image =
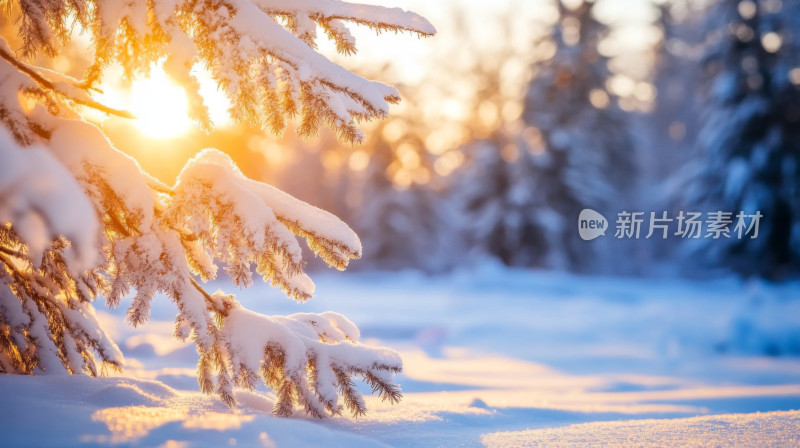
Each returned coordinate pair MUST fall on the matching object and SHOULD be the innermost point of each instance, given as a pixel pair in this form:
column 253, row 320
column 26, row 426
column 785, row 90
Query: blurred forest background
column 521, row 113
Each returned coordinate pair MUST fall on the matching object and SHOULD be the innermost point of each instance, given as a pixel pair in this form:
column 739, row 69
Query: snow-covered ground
column 491, row 357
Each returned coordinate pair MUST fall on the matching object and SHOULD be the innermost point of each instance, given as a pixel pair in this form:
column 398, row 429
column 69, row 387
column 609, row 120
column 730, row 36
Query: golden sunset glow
column 160, row 106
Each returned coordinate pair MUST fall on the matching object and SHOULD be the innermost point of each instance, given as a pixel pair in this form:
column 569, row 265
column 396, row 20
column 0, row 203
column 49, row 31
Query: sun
column 160, row 106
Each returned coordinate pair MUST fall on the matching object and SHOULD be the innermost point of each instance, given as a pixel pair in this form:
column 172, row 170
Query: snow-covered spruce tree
column 749, row 143
column 588, row 155
column 495, row 193
column 574, row 152
column 402, row 228
column 79, row 219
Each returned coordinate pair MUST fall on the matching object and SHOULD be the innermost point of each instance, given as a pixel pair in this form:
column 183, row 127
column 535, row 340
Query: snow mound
column 771, row 429
column 71, row 411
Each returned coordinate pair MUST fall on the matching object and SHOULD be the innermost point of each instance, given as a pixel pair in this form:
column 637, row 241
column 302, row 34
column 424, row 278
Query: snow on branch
column 240, row 221
column 308, row 360
column 45, row 202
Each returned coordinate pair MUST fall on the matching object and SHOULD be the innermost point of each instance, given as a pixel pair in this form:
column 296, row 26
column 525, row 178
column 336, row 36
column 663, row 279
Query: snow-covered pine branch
column 262, row 52
column 80, row 219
